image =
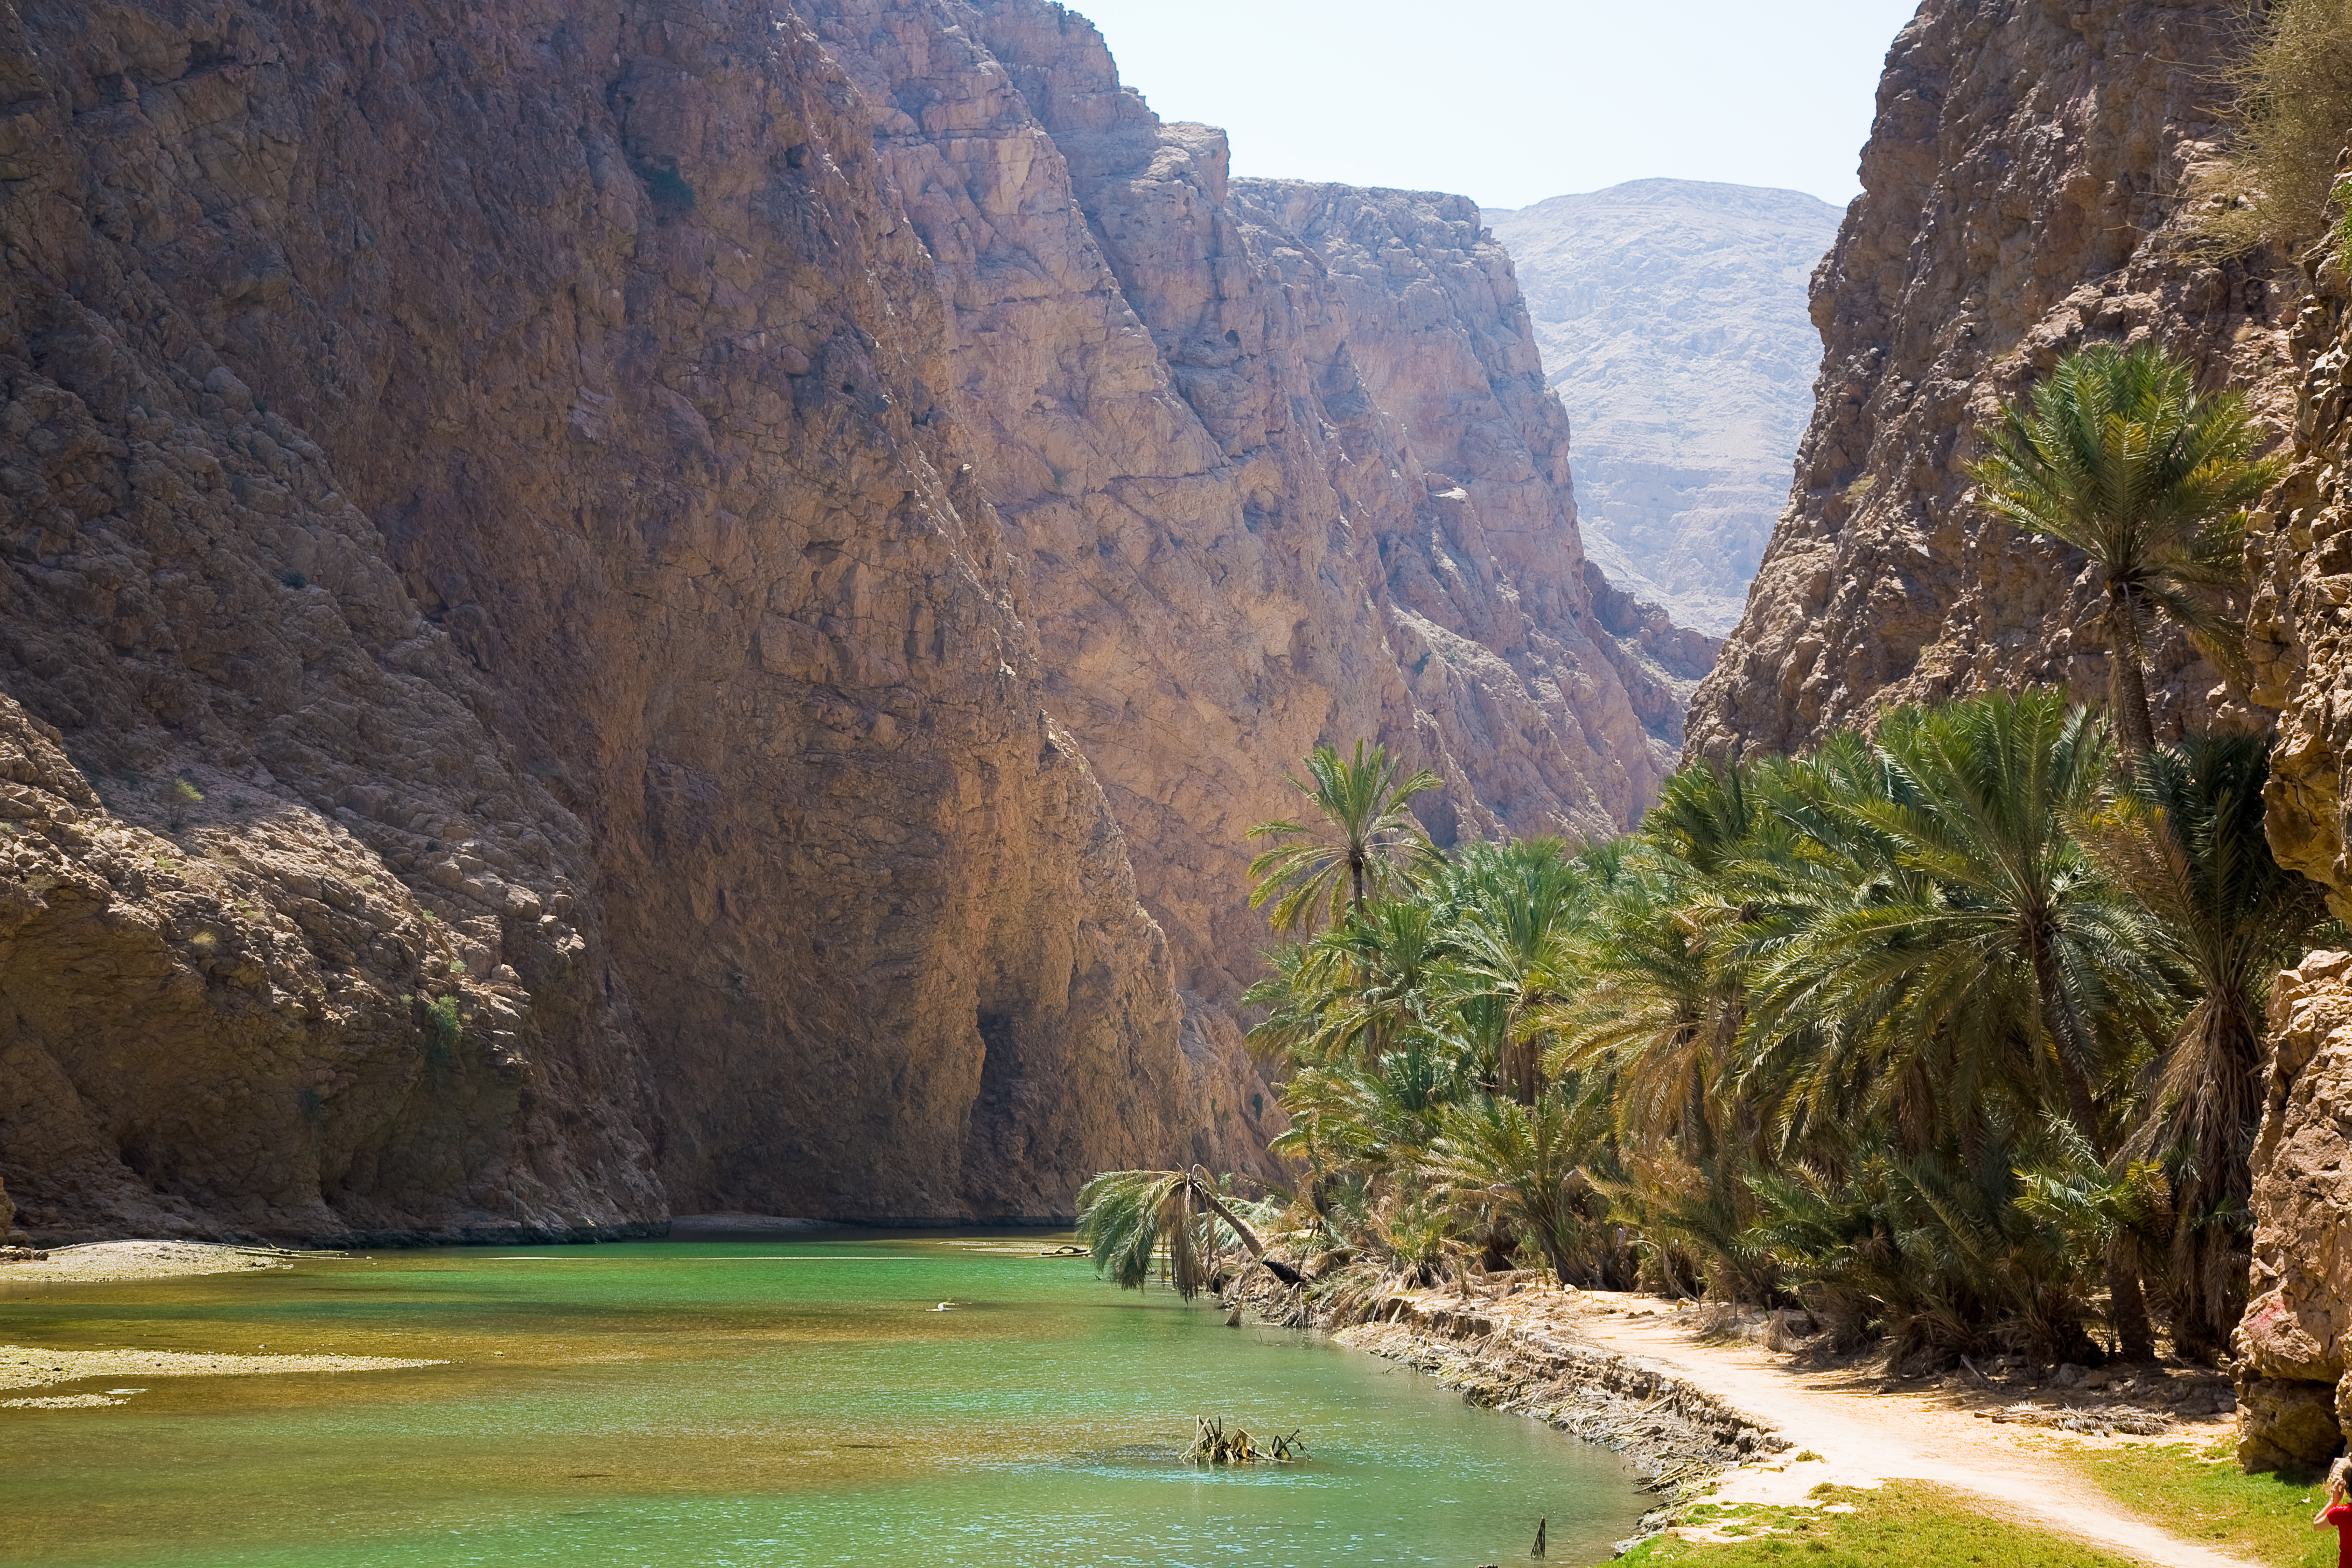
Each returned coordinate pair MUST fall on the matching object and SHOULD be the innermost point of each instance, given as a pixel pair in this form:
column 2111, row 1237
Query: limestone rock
column 1672, row 318
column 1275, row 461
column 2297, row 1333
column 2296, row 1337
column 491, row 454
column 2285, row 1424
column 2298, row 1323
column 606, row 642
column 2020, row 190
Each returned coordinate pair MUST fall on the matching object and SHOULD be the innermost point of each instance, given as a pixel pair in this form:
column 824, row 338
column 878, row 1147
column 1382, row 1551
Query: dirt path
column 1865, row 1437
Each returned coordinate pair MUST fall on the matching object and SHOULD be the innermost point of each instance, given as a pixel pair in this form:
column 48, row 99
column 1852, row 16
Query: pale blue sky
column 1509, row 101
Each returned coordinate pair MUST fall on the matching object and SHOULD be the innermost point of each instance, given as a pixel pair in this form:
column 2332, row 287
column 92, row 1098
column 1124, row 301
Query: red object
column 2340, row 1516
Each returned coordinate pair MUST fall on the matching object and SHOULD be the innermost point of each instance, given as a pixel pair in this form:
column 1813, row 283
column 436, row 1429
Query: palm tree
column 2186, row 837
column 1521, row 1163
column 1518, row 904
column 2120, row 458
column 1389, row 969
column 1993, row 935
column 1129, row 1220
column 1315, row 868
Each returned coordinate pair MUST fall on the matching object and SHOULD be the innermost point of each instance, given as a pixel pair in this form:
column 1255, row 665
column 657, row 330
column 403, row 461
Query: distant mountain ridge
column 1672, row 317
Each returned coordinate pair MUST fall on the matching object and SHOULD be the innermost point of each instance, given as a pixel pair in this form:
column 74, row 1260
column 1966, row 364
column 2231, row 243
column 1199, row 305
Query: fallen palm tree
column 1131, row 1219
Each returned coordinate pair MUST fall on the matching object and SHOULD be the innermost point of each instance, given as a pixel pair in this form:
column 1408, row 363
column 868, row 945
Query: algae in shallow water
column 798, row 1402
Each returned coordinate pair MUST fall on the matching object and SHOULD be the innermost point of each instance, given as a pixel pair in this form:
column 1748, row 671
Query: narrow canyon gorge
column 665, row 606
column 680, row 605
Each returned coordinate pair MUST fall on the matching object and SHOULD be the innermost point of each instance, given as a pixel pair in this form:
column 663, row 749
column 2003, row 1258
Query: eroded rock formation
column 581, row 636
column 2020, row 192
column 2295, row 1343
column 1275, row 458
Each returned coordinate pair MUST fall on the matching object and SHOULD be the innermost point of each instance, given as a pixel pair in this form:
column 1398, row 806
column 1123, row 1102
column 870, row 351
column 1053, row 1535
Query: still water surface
column 671, row 1404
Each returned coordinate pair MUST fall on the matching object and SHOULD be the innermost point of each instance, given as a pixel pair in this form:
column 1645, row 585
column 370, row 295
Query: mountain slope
column 2019, row 192
column 1672, row 318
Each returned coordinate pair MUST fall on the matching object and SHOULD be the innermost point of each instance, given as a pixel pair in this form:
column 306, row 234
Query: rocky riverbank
column 1678, row 1435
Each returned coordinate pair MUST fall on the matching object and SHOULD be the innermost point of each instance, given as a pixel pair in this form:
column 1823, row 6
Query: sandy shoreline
column 25, row 1366
column 103, row 1262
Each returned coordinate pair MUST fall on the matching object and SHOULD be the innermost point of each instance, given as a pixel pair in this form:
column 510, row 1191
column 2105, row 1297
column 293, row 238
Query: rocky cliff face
column 2295, row 1343
column 2018, row 192
column 1672, row 319
column 1277, row 461
column 672, row 604
column 490, row 454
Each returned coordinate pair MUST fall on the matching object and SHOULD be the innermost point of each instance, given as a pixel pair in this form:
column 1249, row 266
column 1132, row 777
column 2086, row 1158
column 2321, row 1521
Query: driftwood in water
column 1213, row 1444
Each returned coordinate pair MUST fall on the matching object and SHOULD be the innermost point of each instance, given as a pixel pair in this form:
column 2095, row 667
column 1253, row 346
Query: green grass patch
column 2198, row 1491
column 1902, row 1523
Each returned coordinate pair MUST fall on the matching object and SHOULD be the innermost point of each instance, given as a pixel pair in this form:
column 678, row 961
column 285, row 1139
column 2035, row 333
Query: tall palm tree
column 1131, row 1219
column 1994, row 933
column 2122, row 459
column 1518, row 906
column 2186, row 837
column 1353, row 853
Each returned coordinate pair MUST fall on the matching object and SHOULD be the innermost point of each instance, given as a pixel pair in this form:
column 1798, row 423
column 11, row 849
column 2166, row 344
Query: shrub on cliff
column 2293, row 111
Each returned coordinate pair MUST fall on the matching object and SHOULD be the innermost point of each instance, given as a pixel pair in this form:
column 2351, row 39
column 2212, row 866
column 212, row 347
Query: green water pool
column 756, row 1403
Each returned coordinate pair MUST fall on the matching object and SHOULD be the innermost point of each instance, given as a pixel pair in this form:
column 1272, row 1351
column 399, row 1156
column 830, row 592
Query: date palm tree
column 1523, row 1165
column 1355, row 848
column 2119, row 456
column 1131, row 1219
column 1990, row 941
column 2186, row 838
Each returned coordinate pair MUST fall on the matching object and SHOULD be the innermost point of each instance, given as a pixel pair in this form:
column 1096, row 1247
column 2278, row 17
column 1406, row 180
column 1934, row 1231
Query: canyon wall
column 2021, row 192
column 2295, row 1342
column 1277, row 461
column 679, row 605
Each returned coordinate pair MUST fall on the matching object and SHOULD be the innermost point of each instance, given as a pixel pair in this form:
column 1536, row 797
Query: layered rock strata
column 2021, row 194
column 581, row 637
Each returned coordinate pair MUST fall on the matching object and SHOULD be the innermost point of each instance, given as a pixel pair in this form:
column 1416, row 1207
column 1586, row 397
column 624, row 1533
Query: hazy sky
column 1509, row 101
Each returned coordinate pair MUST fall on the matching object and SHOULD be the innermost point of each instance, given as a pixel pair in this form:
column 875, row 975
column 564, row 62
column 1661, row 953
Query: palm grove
column 1949, row 1032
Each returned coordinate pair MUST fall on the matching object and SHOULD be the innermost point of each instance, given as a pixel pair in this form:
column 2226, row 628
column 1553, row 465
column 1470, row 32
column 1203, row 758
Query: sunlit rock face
column 2295, row 1343
column 680, row 605
column 1672, row 318
column 2020, row 194
column 1275, row 458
